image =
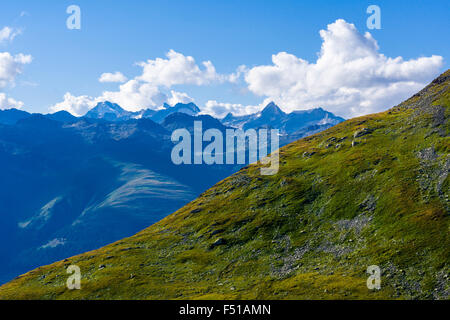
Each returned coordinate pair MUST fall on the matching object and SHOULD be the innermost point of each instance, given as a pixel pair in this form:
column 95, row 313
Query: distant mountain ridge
column 113, row 112
column 68, row 187
column 272, row 116
column 109, row 111
column 292, row 126
column 369, row 193
column 11, row 116
column 186, row 108
column 92, row 180
column 180, row 120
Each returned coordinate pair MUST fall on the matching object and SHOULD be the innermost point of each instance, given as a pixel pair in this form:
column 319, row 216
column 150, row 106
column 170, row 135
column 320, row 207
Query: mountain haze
column 372, row 190
column 292, row 126
column 72, row 184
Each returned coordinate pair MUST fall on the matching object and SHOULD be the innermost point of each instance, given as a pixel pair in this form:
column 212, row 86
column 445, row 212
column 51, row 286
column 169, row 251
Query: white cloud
column 112, row 77
column 11, row 66
column 221, row 109
column 132, row 96
column 76, row 105
column 135, row 95
column 179, row 69
column 234, row 77
column 178, row 97
column 147, row 90
column 8, row 103
column 349, row 78
column 8, row 34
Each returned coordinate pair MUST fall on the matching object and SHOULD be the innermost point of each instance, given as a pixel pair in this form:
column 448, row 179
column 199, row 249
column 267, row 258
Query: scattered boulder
column 308, row 154
column 427, row 154
column 218, row 242
column 369, row 204
column 130, row 248
column 332, row 139
column 362, row 132
column 217, row 232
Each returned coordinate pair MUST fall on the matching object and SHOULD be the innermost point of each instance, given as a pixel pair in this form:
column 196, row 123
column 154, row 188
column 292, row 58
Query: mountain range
column 113, row 112
column 72, row 184
column 372, row 191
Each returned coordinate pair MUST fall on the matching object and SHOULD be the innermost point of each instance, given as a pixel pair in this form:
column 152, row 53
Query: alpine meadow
column 372, row 190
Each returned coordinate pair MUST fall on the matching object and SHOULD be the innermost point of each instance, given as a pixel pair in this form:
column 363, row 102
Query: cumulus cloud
column 112, row 77
column 349, row 78
column 135, row 95
column 76, row 105
column 178, row 97
column 11, row 66
column 179, row 69
column 221, row 109
column 8, row 102
column 240, row 71
column 132, row 96
column 8, row 34
column 148, row 90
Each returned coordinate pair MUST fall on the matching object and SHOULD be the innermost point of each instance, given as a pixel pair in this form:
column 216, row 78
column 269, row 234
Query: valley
column 372, row 190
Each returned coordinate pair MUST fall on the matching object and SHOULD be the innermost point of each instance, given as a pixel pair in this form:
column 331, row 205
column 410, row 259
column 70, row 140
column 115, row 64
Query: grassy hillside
column 370, row 191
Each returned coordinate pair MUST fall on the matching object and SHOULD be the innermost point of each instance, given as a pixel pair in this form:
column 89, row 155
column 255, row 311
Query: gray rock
column 218, row 242
column 308, row 154
column 427, row 154
column 362, row 132
column 216, row 232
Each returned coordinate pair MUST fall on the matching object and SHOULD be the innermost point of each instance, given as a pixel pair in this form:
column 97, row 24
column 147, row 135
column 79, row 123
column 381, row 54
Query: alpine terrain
column 372, row 190
column 73, row 184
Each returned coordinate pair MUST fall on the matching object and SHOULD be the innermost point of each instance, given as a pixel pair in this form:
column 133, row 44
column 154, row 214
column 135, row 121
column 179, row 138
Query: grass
column 309, row 232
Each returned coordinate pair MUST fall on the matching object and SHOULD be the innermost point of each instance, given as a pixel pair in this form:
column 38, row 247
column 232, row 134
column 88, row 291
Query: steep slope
column 67, row 188
column 88, row 181
column 370, row 191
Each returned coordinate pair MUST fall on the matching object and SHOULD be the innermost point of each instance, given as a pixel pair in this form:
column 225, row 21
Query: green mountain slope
column 370, row 191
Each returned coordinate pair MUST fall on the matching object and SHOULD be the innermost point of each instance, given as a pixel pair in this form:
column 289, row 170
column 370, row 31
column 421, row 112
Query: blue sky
column 115, row 35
